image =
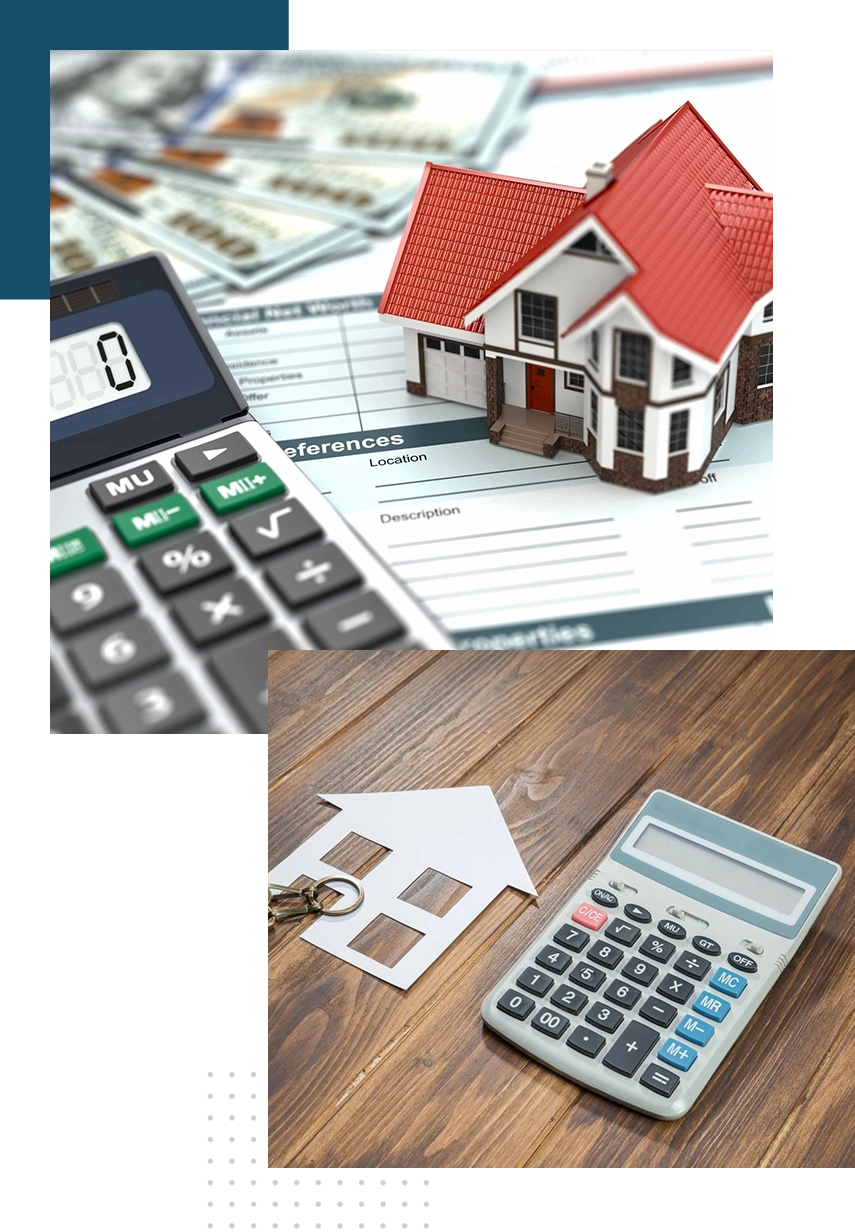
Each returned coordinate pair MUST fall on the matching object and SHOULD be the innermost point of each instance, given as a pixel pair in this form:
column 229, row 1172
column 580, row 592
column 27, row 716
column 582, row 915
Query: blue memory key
column 728, row 982
column 677, row 1054
column 691, row 1028
column 711, row 1006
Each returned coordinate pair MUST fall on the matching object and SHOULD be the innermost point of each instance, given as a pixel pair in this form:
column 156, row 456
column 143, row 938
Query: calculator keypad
column 637, row 1020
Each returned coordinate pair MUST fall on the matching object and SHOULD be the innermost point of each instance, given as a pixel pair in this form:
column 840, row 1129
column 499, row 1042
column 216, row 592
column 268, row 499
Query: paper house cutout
column 457, row 831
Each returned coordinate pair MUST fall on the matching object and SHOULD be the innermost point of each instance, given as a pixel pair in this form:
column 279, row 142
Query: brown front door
column 541, row 388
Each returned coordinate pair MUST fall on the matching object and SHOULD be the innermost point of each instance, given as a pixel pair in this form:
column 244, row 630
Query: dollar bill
column 245, row 244
column 82, row 237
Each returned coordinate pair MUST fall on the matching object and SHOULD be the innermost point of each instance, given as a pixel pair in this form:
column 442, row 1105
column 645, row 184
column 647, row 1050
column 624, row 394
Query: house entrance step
column 521, row 438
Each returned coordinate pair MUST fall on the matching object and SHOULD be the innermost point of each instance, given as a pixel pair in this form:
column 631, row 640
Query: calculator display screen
column 745, row 881
column 92, row 367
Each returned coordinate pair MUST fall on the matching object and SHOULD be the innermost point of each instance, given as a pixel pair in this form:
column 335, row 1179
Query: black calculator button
column 356, row 624
column 608, row 955
column 585, row 1041
column 116, row 652
column 165, row 703
column 312, row 573
column 570, row 999
column 640, row 914
column 146, row 479
column 67, row 725
column 572, row 938
column 604, row 1017
column 670, row 928
column 622, row 994
column 535, row 981
column 642, row 972
column 550, row 1023
column 271, row 530
column 58, row 691
column 587, row 977
column 655, row 947
column 620, row 930
column 658, row 1011
column 184, row 562
column 553, row 960
column 88, row 598
column 689, row 964
column 660, row 1080
column 742, row 962
column 604, row 898
column 515, row 1004
column 706, row 945
column 630, row 1048
column 241, row 672
column 216, row 611
column 223, row 454
column 675, row 989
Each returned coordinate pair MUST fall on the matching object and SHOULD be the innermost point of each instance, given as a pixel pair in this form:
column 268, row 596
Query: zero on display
column 93, row 367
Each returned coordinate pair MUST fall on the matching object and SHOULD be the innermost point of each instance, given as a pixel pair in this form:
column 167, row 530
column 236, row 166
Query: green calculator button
column 74, row 550
column 157, row 518
column 240, row 488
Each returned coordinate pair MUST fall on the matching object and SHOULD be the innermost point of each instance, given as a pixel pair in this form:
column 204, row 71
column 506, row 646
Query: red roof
column 466, row 228
column 688, row 215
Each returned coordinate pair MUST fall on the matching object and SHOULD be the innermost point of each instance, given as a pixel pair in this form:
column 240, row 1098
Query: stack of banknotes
column 246, row 165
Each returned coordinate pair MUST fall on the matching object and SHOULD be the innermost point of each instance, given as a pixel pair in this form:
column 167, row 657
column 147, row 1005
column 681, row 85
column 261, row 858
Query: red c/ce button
column 589, row 915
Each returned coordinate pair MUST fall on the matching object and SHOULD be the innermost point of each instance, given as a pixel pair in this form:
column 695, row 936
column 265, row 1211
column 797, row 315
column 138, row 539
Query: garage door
column 456, row 371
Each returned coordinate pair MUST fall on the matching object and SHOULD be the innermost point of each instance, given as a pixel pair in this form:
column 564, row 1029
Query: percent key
column 184, row 563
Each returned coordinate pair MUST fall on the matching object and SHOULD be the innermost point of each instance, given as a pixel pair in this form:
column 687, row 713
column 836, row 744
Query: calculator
column 184, row 543
column 646, row 978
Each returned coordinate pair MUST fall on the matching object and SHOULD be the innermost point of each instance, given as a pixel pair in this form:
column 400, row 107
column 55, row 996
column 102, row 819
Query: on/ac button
column 590, row 916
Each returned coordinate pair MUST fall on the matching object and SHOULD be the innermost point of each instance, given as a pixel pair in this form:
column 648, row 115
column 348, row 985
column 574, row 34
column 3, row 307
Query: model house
column 629, row 320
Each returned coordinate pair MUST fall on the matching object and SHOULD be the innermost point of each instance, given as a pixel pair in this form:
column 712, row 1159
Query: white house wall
column 758, row 326
column 412, row 362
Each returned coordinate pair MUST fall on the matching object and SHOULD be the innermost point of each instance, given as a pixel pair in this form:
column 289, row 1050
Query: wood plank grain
column 459, row 1080
column 313, row 694
column 551, row 799
column 821, row 1130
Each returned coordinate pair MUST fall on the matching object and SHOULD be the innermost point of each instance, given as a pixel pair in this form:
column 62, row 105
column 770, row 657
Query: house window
column 680, row 371
column 592, row 246
column 574, row 380
column 453, row 348
column 679, row 431
column 767, row 312
column 595, row 412
column 595, row 347
column 764, row 372
column 720, row 397
column 630, row 430
column 472, row 352
column 537, row 316
column 634, row 357
column 433, row 343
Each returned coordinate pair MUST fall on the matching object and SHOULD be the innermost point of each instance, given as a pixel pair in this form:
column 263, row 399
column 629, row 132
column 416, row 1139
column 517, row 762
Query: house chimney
column 599, row 175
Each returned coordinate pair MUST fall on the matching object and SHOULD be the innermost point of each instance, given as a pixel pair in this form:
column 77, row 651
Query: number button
column 643, row 973
column 590, row 916
column 622, row 994
column 570, row 999
column 535, row 981
column 689, row 964
column 184, row 563
column 587, row 977
column 587, row 1042
column 619, row 930
column 84, row 601
column 657, row 1079
column 241, row 672
column 630, row 1048
column 670, row 928
column 675, row 989
column 515, row 1004
column 655, row 947
column 728, row 982
column 706, row 945
column 608, row 955
column 681, row 1056
column 550, row 1023
column 658, row 1011
column 640, row 914
column 605, row 898
column 604, row 1017
column 572, row 938
column 553, row 960
column 711, row 1007
column 164, row 704
column 103, row 658
column 694, row 1030
column 742, row 962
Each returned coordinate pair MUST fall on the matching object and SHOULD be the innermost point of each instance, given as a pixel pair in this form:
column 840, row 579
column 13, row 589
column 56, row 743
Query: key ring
column 305, row 901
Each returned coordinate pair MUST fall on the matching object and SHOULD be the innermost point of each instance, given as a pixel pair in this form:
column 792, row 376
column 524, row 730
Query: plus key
column 589, row 916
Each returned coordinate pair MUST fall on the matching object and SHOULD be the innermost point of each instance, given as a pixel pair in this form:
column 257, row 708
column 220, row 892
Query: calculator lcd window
column 714, row 868
column 92, row 367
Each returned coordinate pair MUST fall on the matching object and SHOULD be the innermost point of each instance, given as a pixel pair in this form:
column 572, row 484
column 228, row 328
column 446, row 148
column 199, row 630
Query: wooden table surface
column 364, row 1074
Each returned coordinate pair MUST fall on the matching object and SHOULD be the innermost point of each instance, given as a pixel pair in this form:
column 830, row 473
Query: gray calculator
column 645, row 979
column 184, row 543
